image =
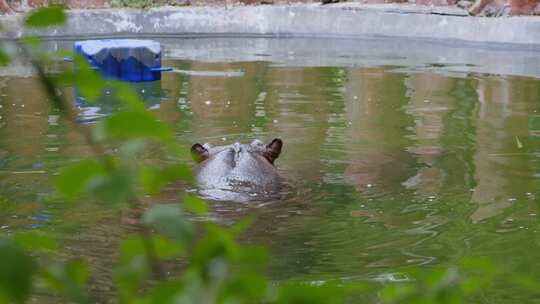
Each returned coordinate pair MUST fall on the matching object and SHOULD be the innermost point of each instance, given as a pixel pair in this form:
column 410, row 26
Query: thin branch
column 60, row 102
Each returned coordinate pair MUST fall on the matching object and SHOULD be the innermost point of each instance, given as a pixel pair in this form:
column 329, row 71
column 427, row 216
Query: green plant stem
column 97, row 149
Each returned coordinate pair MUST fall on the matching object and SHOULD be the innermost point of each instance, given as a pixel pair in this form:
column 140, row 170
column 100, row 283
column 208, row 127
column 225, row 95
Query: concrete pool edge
column 307, row 20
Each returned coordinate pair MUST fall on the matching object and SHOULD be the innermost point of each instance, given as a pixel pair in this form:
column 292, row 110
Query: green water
column 389, row 166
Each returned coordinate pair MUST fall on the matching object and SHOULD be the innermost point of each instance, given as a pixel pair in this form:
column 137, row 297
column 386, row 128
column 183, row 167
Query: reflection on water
column 150, row 92
column 388, row 167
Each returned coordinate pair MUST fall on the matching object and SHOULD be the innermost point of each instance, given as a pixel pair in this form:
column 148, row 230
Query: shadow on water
column 394, row 156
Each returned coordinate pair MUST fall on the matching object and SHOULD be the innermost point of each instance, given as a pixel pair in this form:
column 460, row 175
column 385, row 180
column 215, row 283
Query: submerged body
column 237, row 172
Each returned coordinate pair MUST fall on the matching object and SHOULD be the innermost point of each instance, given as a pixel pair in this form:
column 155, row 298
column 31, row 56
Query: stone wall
column 448, row 25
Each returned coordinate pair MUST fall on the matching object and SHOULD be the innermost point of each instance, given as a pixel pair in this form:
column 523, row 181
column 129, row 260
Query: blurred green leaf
column 166, row 248
column 4, row 299
column 240, row 226
column 77, row 272
column 526, row 282
column 297, row 293
column 34, row 241
column 154, row 179
column 127, row 95
column 170, row 221
column 478, row 273
column 88, row 82
column 252, row 256
column 478, row 265
column 16, row 273
column 46, row 16
column 68, row 279
column 7, row 206
column 131, row 148
column 31, row 40
column 195, row 204
column 74, row 180
column 167, row 292
column 440, row 278
column 246, row 287
column 130, row 125
column 63, row 79
column 132, row 270
column 178, row 150
column 4, row 58
column 116, row 187
column 218, row 243
column 131, row 247
column 395, row 293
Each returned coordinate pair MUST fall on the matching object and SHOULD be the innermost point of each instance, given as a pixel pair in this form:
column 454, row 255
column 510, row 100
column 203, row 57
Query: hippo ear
column 273, row 150
column 199, row 153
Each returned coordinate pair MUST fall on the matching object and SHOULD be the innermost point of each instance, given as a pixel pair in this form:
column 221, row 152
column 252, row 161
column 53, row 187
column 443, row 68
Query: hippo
column 237, row 172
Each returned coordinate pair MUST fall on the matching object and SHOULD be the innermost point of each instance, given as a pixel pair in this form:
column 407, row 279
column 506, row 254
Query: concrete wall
column 351, row 21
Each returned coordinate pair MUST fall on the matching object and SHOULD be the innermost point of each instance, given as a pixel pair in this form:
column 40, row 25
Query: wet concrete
column 344, row 20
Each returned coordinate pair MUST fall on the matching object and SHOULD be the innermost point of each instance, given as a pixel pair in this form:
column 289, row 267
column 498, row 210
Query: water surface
column 398, row 155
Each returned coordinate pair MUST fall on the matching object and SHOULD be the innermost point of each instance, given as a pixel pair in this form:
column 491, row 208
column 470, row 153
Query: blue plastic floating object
column 123, row 59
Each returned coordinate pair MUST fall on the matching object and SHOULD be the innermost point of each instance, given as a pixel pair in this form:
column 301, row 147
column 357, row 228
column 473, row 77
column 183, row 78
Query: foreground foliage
column 215, row 268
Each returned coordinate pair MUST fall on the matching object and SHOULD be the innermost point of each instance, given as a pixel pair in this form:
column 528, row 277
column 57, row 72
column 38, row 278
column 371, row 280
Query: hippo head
column 270, row 152
column 246, row 165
